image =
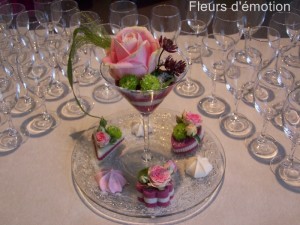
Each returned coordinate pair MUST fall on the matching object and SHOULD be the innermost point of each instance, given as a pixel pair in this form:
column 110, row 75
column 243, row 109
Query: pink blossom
column 159, row 176
column 133, row 51
column 191, row 118
column 102, row 138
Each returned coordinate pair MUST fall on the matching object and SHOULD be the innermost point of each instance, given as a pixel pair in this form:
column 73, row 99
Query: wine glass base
column 24, row 106
column 86, row 75
column 56, row 91
column 285, row 170
column 189, row 89
column 105, row 94
column 70, row 110
column 213, row 107
column 237, row 126
column 37, row 125
column 263, row 148
column 291, row 60
column 9, row 142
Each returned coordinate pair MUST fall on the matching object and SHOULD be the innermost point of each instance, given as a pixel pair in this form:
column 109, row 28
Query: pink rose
column 159, row 176
column 133, row 51
column 192, row 118
column 191, row 130
column 102, row 138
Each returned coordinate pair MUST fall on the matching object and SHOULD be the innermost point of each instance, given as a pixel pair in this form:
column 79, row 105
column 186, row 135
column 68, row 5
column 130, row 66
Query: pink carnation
column 191, row 118
column 159, row 176
column 102, row 138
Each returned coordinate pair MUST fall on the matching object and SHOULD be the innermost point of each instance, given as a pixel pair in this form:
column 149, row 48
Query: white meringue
column 138, row 130
column 198, row 167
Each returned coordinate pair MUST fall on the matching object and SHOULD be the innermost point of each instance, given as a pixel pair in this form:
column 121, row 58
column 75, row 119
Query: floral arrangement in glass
column 136, row 65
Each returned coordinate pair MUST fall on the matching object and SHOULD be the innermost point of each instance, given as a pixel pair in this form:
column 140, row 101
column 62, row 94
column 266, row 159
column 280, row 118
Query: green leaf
column 81, row 36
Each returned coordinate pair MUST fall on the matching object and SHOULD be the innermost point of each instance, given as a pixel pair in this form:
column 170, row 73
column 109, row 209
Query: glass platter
column 191, row 194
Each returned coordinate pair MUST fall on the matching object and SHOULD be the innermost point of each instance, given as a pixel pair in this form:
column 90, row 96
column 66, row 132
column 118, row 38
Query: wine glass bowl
column 165, row 21
column 119, row 9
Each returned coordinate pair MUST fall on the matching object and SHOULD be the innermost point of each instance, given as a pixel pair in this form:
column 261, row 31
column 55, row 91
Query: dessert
column 198, row 167
column 155, row 186
column 187, row 133
column 111, row 181
column 106, row 139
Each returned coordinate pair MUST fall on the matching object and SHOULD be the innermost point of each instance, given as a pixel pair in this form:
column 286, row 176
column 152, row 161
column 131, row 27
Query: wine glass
column 252, row 18
column 269, row 96
column 165, row 21
column 145, row 102
column 264, row 43
column 135, row 20
column 214, row 51
column 87, row 75
column 287, row 168
column 235, row 124
column 119, row 9
column 205, row 15
column 38, row 80
column 105, row 93
column 10, row 138
column 190, row 38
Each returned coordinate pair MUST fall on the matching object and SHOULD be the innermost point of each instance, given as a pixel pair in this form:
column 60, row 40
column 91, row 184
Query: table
column 37, row 187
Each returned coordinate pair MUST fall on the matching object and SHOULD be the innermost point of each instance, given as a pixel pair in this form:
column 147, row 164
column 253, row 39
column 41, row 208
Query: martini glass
column 145, row 102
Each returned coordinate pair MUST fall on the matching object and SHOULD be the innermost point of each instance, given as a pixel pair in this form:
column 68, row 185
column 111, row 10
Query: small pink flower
column 191, row 130
column 102, row 138
column 159, row 176
column 171, row 166
column 191, row 118
column 110, row 180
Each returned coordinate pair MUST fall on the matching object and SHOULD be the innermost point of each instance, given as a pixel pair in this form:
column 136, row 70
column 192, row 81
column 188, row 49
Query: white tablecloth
column 37, row 188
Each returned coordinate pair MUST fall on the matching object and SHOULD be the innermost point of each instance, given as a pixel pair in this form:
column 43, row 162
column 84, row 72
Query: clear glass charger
column 190, row 194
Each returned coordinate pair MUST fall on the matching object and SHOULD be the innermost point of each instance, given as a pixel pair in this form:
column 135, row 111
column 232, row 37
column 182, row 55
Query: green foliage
column 114, row 132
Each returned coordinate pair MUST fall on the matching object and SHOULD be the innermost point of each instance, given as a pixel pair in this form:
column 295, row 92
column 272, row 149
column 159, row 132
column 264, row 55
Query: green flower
column 129, row 82
column 179, row 132
column 150, row 82
column 114, row 132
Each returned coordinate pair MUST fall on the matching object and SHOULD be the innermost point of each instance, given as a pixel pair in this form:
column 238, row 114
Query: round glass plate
column 189, row 192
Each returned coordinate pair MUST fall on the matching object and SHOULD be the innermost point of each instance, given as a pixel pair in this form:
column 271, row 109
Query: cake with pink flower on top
column 155, row 185
column 187, row 133
column 106, row 139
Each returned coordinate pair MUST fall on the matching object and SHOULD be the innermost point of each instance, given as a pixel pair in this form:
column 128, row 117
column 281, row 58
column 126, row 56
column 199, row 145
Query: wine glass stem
column 263, row 131
column 146, row 154
column 291, row 155
column 189, row 77
column 11, row 126
column 213, row 88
